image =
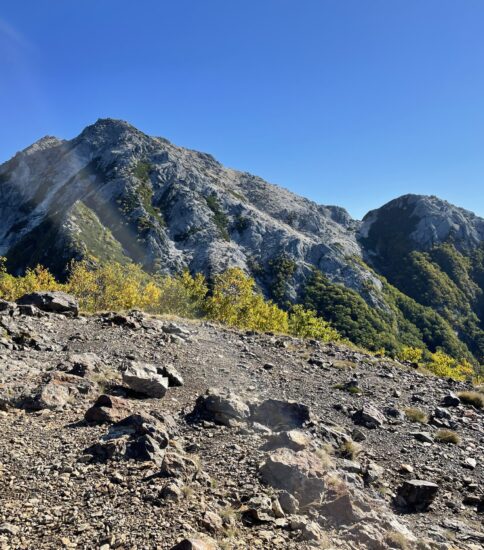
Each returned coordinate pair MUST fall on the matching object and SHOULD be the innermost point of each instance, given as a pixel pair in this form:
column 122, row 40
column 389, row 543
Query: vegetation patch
column 355, row 390
column 350, row 449
column 447, row 436
column 241, row 223
column 280, row 274
column 233, row 299
column 474, row 398
column 416, row 415
column 407, row 330
column 219, row 217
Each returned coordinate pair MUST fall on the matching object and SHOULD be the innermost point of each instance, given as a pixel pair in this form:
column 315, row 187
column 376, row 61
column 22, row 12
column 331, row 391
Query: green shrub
column 304, row 323
column 219, row 217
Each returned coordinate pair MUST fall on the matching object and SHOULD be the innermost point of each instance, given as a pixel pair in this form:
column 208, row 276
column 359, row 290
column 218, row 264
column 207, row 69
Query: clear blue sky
column 348, row 102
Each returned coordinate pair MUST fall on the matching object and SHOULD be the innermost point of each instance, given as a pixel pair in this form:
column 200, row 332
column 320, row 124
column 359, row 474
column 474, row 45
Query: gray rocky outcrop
column 143, row 378
column 53, row 302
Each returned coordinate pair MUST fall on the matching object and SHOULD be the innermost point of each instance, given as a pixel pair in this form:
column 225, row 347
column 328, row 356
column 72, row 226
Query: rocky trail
column 135, row 432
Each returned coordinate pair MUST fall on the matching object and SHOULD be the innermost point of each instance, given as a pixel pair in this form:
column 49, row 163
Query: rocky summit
column 114, row 194
column 133, row 431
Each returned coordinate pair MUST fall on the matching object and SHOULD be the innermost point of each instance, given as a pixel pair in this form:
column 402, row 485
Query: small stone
column 470, row 463
column 424, row 437
column 281, row 415
column 357, row 435
column 406, row 468
column 451, row 400
column 9, row 529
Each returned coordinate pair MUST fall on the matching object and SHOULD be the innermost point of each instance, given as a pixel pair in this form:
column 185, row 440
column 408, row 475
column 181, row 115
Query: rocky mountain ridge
column 149, row 198
column 114, row 193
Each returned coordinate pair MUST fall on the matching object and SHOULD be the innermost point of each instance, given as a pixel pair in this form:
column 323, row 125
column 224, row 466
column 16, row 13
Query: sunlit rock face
column 422, row 222
column 116, row 193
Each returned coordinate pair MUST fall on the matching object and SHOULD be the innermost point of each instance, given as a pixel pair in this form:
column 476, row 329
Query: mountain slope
column 163, row 206
column 116, row 194
column 433, row 252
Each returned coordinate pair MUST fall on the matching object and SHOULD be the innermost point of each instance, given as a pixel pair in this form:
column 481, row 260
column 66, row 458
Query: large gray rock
column 417, row 494
column 136, row 437
column 55, row 302
column 281, row 415
column 143, row 378
column 368, row 416
column 300, row 474
column 51, row 396
column 107, row 409
column 221, row 407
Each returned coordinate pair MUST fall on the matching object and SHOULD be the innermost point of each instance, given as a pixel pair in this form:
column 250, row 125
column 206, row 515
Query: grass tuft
column 416, row 415
column 474, row 398
column 447, row 436
column 350, row 449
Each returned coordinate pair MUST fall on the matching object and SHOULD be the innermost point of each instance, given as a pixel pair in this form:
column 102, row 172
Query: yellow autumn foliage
column 445, row 366
column 304, row 323
column 235, row 302
column 12, row 288
column 410, row 354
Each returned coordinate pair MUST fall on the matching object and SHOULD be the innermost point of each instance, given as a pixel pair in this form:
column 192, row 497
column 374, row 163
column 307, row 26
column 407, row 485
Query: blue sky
column 348, row 102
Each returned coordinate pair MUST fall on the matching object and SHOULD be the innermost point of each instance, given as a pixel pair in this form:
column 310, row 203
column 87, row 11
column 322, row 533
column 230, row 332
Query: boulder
column 52, row 396
column 179, row 465
column 373, row 473
column 221, row 407
column 136, row 437
column 450, row 400
column 341, row 510
column 281, row 415
column 107, row 409
column 288, row 503
column 172, row 491
column 442, row 413
column 335, row 436
column 54, row 302
column 301, row 474
column 309, row 530
column 417, row 494
column 369, row 417
column 259, row 509
column 83, row 364
column 143, row 378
